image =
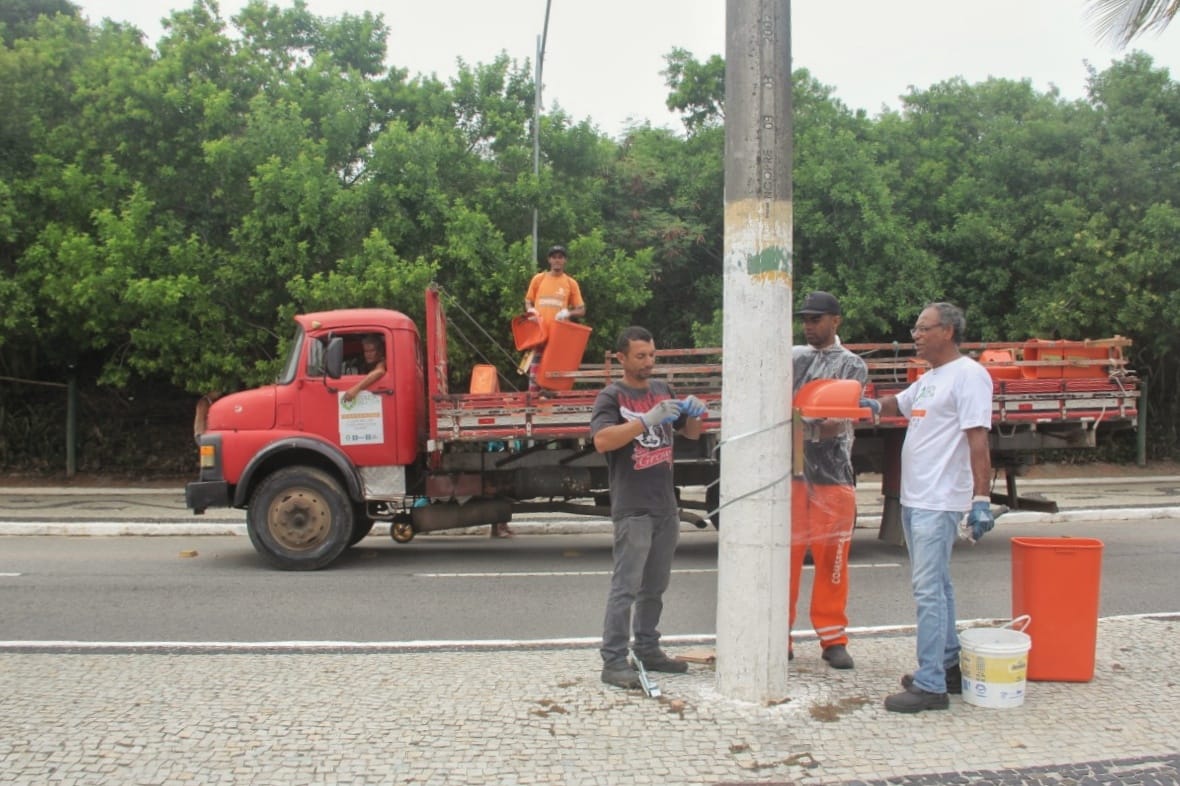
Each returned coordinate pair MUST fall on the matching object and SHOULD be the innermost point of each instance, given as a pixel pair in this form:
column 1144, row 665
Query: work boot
column 914, row 699
column 954, row 679
column 501, row 530
column 837, row 657
column 621, row 675
column 659, row 661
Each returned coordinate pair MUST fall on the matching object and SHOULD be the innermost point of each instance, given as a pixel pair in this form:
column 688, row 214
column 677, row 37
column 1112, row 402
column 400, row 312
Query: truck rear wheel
column 300, row 519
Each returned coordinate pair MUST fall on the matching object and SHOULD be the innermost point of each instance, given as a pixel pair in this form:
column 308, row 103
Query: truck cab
column 304, row 461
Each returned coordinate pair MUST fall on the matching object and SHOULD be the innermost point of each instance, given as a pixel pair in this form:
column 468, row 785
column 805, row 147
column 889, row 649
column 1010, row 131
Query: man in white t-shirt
column 945, row 475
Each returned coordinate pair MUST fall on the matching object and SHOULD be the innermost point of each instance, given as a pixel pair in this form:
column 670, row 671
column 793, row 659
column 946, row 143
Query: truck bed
column 1050, row 395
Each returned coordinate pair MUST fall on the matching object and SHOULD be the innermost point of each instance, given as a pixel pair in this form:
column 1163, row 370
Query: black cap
column 557, row 250
column 820, row 303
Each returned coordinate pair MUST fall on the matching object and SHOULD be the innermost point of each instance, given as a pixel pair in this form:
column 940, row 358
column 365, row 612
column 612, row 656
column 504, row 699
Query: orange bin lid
column 831, row 398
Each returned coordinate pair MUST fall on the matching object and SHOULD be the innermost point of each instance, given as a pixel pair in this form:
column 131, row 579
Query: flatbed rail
column 1083, row 383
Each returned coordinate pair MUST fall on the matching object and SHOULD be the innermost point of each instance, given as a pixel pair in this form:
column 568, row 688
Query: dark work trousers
column 643, row 550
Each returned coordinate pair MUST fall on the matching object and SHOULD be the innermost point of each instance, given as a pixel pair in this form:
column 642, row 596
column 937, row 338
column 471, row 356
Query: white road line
column 553, row 573
column 11, row 574
column 458, row 644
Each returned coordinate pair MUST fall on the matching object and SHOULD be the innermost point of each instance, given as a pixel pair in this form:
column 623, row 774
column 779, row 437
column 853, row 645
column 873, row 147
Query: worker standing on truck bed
column 632, row 424
column 823, row 501
column 552, row 296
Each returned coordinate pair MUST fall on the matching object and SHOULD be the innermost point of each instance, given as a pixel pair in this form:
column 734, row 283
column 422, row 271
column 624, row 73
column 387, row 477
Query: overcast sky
column 603, row 58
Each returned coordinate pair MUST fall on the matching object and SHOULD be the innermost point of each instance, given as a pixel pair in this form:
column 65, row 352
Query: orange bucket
column 1056, row 582
column 915, row 368
column 1000, row 363
column 484, row 379
column 563, row 352
column 830, row 398
column 527, row 331
column 1082, row 352
column 1063, row 352
column 1033, row 351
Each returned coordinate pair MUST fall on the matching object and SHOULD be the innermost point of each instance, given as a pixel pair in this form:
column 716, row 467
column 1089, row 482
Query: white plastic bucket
column 995, row 663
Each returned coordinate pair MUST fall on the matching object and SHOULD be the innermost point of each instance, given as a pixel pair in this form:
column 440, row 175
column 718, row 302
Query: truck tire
column 300, row 518
column 362, row 525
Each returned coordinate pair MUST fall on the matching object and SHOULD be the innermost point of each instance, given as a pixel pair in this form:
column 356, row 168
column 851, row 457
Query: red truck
column 314, row 472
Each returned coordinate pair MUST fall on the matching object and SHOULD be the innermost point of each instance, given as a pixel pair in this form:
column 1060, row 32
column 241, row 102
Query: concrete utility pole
column 539, row 71
column 755, row 534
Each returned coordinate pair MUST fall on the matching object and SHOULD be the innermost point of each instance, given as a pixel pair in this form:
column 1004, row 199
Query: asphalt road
column 468, row 588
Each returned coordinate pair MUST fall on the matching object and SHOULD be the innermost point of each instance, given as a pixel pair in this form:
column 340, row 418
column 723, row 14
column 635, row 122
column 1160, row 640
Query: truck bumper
column 205, row 494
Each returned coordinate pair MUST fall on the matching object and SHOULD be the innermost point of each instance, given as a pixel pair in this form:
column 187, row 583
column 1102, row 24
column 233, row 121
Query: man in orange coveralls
column 823, row 502
column 552, row 296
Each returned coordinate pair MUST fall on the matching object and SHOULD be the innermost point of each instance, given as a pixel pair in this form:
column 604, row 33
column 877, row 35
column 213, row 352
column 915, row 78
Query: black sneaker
column 914, row 699
column 954, row 679
column 621, row 675
column 659, row 661
column 837, row 657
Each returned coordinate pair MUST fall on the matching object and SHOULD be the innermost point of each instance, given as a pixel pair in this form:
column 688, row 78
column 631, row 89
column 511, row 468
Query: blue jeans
column 930, row 536
column 643, row 550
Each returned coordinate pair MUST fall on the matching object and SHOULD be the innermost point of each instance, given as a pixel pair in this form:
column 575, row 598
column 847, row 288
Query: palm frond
column 1121, row 21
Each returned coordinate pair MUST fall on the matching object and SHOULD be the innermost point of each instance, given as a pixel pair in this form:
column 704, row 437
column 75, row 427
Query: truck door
column 364, row 424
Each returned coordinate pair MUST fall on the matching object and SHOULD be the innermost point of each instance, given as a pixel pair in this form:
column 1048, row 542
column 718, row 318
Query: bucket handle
column 1024, row 620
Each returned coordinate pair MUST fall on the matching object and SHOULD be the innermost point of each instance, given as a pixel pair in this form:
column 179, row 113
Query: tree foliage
column 166, row 209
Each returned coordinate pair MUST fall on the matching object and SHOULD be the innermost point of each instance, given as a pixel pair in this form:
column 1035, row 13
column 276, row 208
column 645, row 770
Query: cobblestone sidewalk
column 542, row 716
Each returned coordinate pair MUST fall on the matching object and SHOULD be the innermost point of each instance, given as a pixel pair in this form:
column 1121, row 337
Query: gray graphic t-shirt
column 640, row 471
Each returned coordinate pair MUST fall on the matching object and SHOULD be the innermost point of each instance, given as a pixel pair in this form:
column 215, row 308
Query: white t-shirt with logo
column 936, row 459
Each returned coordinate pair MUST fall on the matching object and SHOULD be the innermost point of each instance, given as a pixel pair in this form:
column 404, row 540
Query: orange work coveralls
column 823, row 502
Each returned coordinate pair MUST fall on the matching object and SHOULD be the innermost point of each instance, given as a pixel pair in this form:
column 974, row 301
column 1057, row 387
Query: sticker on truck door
column 361, row 420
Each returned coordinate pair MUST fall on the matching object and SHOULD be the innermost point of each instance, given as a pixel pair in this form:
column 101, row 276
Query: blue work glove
column 667, row 411
column 980, row 518
column 692, row 406
column 871, row 404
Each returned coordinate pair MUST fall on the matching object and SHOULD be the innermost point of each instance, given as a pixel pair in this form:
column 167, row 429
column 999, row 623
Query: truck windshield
column 291, row 364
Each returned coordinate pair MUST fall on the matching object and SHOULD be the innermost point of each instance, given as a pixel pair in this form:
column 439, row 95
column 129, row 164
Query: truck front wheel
column 300, row 519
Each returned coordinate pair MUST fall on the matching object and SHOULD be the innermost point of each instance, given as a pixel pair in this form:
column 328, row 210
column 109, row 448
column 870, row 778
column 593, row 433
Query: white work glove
column 692, row 406
column 667, row 411
column 563, row 315
column 532, row 312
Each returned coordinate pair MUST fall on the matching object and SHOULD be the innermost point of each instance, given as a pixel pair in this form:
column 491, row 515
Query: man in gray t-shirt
column 633, row 424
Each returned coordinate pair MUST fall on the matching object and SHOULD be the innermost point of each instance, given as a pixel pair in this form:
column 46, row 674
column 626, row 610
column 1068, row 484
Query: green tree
column 696, row 89
column 18, row 18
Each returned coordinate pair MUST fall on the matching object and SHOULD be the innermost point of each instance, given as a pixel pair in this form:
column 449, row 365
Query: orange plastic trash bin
column 485, row 379
column 1056, row 582
column 527, row 331
column 563, row 352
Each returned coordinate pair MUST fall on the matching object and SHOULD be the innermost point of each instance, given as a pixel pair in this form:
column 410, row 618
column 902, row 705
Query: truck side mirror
column 334, row 357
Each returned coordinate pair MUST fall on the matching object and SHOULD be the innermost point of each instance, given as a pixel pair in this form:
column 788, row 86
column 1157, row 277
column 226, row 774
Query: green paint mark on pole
column 769, row 260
